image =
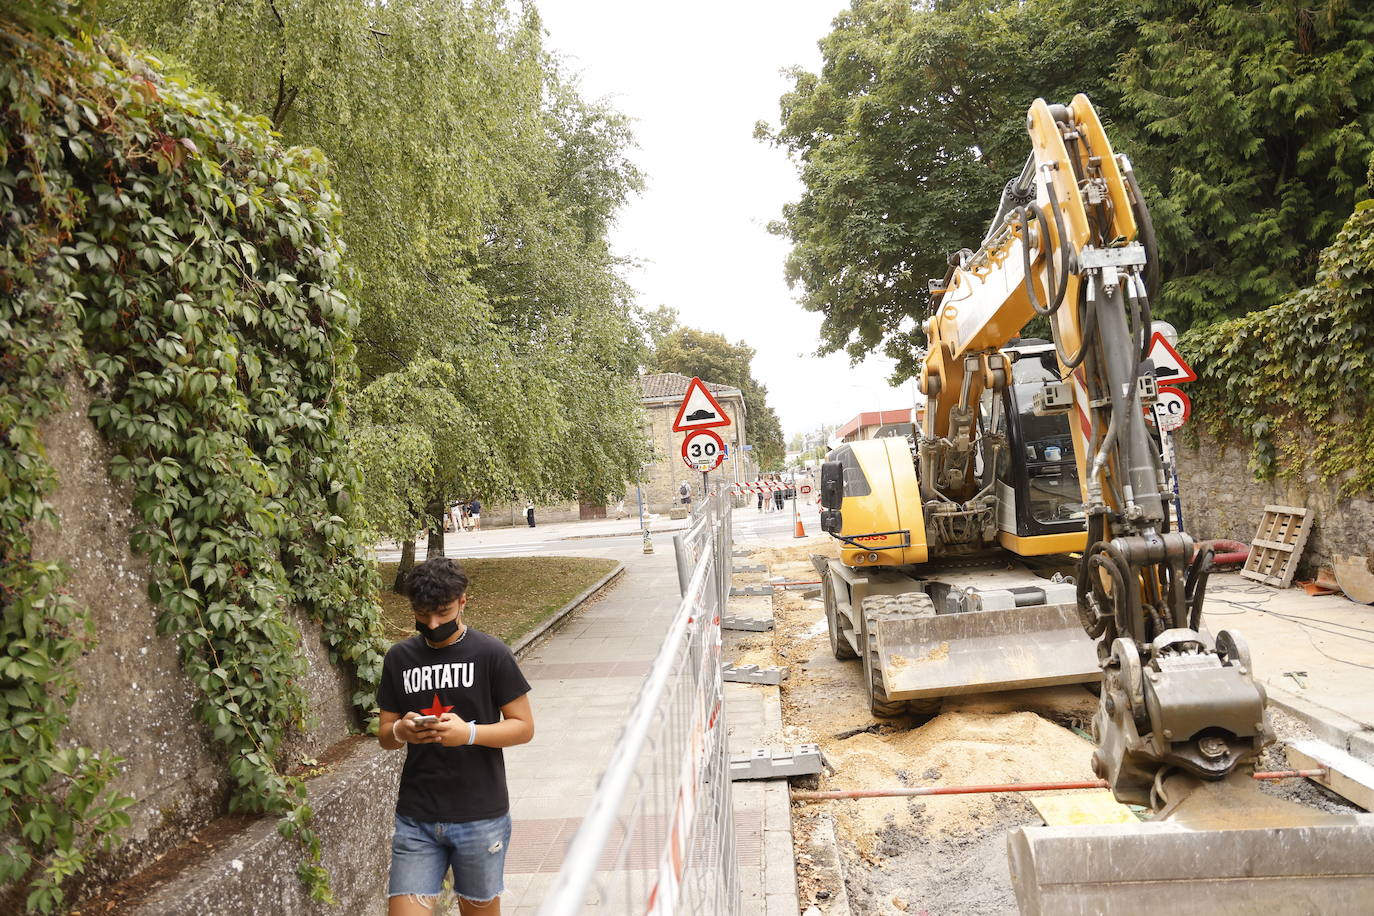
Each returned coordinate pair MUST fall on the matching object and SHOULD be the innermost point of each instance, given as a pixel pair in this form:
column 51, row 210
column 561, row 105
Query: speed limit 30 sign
column 703, row 450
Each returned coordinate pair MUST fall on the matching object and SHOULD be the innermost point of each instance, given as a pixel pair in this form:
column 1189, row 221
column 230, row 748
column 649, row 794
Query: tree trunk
column 404, row 567
column 435, row 546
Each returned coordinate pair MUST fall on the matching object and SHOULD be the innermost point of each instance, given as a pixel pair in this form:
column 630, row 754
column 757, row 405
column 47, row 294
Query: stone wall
column 134, row 699
column 1222, row 499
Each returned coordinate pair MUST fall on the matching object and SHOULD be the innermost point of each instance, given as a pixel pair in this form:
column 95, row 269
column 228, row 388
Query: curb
column 622, row 534
column 1334, row 728
column 523, row 644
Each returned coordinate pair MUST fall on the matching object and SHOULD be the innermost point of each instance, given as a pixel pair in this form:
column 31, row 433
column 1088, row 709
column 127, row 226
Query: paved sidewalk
column 585, row 679
column 1314, row 655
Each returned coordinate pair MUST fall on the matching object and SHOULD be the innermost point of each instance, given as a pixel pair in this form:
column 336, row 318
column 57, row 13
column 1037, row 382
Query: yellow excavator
column 1026, row 539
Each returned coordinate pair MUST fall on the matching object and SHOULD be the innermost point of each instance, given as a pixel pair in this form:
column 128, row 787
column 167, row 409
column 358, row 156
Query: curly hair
column 435, row 582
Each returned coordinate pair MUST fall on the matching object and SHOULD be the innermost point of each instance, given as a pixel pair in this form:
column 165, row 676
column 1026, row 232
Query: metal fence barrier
column 659, row 837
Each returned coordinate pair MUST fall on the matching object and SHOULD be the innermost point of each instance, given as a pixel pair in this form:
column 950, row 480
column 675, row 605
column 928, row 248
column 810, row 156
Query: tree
column 1249, row 123
column 905, row 139
column 1256, row 121
column 478, row 187
column 715, row 359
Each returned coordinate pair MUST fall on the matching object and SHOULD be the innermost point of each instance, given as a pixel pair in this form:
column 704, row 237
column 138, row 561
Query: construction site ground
column 947, row 855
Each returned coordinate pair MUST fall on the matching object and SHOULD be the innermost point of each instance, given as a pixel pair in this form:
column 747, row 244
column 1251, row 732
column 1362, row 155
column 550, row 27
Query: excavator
column 1026, row 539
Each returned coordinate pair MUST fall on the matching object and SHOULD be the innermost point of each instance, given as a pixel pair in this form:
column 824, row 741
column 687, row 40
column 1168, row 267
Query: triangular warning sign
column 1170, row 369
column 699, row 410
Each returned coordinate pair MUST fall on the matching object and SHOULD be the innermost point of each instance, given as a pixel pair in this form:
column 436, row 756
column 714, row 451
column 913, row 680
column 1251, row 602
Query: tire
column 908, row 606
column 839, row 645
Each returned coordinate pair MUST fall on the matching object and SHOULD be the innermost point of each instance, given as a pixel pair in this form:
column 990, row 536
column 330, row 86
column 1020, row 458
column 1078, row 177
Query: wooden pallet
column 1277, row 546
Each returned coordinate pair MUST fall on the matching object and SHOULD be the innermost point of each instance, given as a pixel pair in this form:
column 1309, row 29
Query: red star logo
column 437, row 709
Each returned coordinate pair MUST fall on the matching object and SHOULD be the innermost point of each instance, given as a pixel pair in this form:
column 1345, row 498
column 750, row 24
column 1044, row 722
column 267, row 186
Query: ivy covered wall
column 1294, row 381
column 164, row 254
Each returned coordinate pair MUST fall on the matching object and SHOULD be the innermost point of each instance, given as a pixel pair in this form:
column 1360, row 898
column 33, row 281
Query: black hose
column 1195, row 585
column 1028, row 211
column 1065, row 253
column 1147, row 234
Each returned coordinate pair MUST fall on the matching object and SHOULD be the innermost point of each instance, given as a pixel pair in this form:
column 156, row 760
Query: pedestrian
column 453, row 808
column 777, row 494
column 684, row 493
column 758, row 481
column 475, row 513
column 529, row 513
column 456, row 515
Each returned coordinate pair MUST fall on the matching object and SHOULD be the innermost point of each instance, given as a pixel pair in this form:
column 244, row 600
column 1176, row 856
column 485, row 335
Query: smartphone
column 424, row 720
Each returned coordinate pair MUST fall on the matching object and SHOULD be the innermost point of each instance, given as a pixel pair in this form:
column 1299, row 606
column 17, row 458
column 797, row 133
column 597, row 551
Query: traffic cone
column 800, row 532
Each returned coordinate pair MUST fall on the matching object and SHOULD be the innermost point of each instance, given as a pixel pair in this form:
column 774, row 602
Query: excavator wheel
column 839, row 645
column 889, row 607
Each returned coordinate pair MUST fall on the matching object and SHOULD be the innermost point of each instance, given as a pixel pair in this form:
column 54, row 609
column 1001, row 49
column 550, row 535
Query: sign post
column 1172, row 409
column 698, row 416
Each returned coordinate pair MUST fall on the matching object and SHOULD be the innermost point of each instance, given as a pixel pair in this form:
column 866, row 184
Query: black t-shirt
column 473, row 679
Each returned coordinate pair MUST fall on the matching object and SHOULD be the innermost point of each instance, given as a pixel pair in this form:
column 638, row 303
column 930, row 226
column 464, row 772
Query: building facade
column 877, row 424
column 662, row 394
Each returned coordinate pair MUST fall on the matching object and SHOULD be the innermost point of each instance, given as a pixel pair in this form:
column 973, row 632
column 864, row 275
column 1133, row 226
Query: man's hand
column 451, row 730
column 411, row 733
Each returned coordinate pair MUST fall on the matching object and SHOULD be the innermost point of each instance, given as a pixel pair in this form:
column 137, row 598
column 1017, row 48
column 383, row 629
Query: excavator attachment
column 983, row 651
column 1225, row 848
column 941, row 635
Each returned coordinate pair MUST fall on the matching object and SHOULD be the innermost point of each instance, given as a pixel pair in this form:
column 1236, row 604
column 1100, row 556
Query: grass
column 507, row 596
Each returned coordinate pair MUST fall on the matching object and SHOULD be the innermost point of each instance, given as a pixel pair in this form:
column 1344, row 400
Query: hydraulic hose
column 1028, row 211
column 1147, row 231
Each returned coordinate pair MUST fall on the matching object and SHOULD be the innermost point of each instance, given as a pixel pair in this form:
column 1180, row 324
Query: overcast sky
column 695, row 77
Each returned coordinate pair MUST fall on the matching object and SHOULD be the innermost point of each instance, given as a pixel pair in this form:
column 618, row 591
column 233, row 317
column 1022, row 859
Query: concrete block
column 256, row 871
column 757, row 590
column 752, row 674
column 1362, row 746
column 750, row 569
column 771, row 763
column 753, row 624
column 779, row 865
column 1348, row 777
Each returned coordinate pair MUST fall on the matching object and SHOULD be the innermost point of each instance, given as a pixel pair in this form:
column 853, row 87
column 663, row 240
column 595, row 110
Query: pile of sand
column 956, row 748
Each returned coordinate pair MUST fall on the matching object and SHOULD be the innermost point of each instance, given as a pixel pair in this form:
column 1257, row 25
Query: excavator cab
column 1039, row 500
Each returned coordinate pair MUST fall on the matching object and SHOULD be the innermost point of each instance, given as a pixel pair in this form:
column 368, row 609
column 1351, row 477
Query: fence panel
column 659, row 836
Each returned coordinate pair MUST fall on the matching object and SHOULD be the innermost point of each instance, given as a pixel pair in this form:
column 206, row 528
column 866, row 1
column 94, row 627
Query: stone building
column 662, row 394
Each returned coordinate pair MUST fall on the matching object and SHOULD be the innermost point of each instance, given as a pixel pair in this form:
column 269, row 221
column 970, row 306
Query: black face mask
column 440, row 633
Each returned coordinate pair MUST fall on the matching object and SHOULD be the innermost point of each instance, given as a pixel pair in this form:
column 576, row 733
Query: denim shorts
column 423, row 851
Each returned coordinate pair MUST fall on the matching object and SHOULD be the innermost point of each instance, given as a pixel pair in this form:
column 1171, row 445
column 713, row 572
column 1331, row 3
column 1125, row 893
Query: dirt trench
column 940, row 855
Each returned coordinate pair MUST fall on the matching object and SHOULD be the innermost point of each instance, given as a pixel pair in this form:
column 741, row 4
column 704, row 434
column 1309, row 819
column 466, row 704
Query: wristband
column 472, row 732
column 395, row 736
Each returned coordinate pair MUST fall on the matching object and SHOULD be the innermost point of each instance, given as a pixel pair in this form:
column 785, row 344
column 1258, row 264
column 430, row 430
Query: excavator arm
column 1181, row 715
column 1072, row 243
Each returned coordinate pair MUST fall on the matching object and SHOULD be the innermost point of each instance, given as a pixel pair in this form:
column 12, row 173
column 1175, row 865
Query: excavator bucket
column 984, row 651
column 1227, row 848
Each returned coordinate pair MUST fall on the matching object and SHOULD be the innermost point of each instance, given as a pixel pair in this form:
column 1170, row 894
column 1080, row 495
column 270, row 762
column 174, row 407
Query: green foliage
column 57, row 796
column 478, row 186
column 193, row 268
column 1249, row 124
column 905, row 139
column 713, row 358
column 1306, row 365
column 1255, row 122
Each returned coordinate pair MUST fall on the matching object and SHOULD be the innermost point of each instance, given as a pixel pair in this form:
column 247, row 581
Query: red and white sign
column 1170, row 369
column 762, row 486
column 805, row 488
column 1172, row 409
column 699, row 410
column 703, row 450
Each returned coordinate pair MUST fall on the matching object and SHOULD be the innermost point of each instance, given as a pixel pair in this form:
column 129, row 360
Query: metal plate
column 984, row 651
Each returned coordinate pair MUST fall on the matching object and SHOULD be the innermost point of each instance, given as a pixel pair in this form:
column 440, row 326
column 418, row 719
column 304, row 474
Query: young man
column 453, row 810
column 475, row 508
